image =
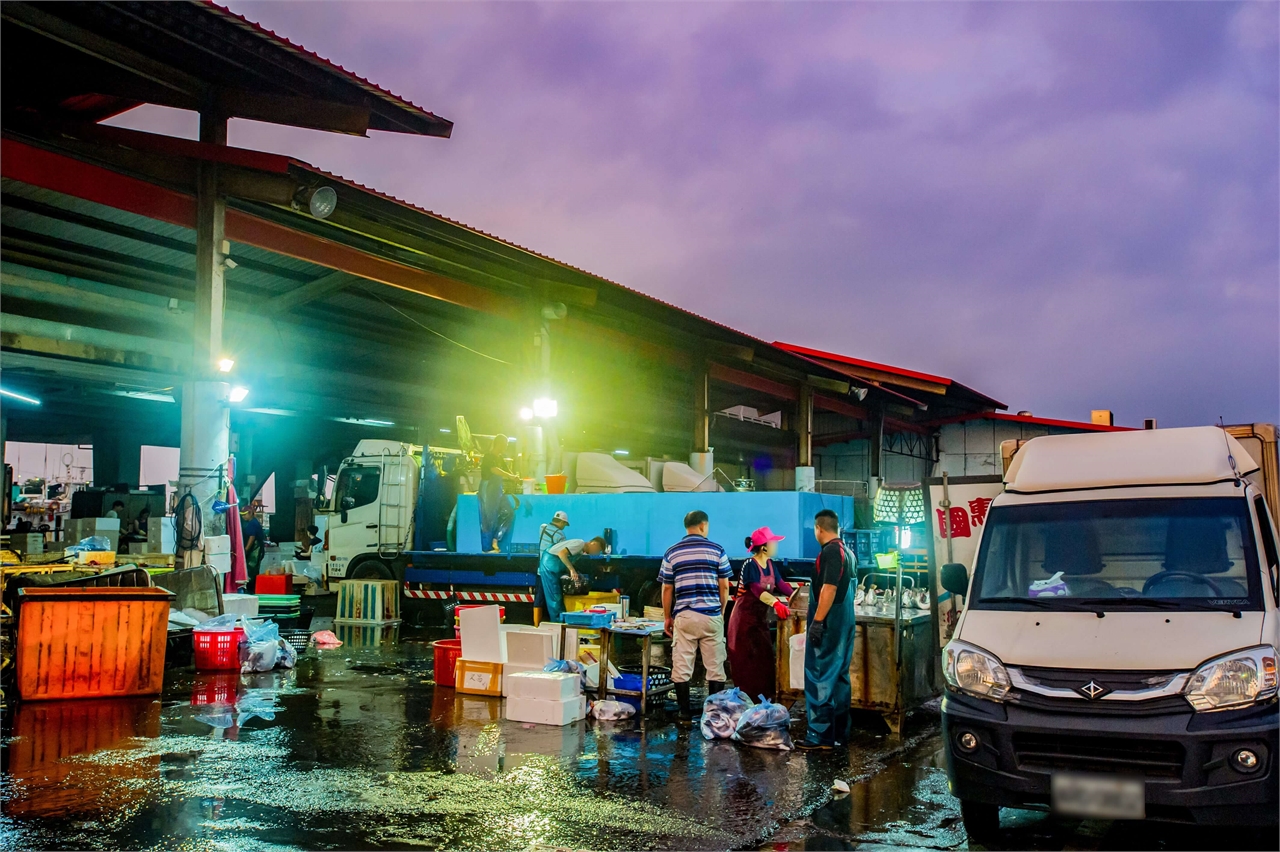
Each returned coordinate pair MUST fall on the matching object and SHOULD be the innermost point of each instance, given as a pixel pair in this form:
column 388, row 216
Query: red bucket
column 447, row 652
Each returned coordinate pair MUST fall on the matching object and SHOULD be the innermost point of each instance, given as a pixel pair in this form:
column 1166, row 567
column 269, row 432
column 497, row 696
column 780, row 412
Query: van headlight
column 974, row 671
column 1237, row 679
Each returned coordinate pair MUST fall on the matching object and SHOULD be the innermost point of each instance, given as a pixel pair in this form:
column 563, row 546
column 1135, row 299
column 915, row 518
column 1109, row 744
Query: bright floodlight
column 238, row 393
column 622, row 452
column 526, row 414
column 225, row 365
column 544, row 407
column 323, row 202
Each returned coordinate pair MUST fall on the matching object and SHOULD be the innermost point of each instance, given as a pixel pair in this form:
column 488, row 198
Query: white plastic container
column 241, row 604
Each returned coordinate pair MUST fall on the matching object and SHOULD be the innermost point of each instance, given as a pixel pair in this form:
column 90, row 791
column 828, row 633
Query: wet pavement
column 356, row 748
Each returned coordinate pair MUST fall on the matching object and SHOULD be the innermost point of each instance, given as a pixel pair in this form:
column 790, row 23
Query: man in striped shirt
column 695, row 587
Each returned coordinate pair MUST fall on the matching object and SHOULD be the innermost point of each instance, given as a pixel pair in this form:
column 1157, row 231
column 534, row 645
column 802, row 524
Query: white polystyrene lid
column 598, row 470
column 1193, row 456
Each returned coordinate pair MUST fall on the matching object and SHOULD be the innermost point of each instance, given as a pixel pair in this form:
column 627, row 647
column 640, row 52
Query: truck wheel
column 370, row 568
column 981, row 821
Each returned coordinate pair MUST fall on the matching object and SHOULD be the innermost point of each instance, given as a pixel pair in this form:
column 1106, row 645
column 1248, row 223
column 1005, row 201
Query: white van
column 1117, row 654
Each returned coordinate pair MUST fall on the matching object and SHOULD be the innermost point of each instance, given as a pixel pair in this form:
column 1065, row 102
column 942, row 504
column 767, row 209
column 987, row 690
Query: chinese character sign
column 959, row 523
column 978, row 510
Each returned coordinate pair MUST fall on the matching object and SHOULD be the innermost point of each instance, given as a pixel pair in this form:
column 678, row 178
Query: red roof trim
column 858, row 362
column 1033, row 421
column 372, row 88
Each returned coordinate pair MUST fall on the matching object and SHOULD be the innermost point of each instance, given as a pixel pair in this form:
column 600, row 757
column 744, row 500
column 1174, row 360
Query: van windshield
column 1185, row 553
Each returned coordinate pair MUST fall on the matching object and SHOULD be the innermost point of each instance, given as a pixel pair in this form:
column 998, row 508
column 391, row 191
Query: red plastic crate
column 217, row 650
column 273, row 584
column 216, row 688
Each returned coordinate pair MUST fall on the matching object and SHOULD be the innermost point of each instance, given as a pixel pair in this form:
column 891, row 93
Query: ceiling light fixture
column 30, row 400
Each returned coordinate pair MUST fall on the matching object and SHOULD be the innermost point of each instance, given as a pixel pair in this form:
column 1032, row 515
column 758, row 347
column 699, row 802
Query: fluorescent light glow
column 238, row 393
column 149, row 395
column 543, row 407
column 377, row 422
column 446, row 431
column 622, row 452
column 526, row 414
column 360, row 421
column 279, row 412
column 225, row 365
column 31, row 400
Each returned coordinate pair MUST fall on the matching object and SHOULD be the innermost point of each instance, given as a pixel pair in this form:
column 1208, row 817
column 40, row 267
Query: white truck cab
column 372, row 510
column 1117, row 653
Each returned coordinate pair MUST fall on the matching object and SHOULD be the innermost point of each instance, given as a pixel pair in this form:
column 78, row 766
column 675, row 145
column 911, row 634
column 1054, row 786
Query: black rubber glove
column 817, row 630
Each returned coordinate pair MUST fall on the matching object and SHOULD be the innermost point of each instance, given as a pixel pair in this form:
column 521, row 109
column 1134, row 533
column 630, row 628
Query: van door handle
column 371, row 526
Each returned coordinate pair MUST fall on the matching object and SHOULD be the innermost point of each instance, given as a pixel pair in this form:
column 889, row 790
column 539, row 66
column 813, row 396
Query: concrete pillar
column 702, row 412
column 206, row 417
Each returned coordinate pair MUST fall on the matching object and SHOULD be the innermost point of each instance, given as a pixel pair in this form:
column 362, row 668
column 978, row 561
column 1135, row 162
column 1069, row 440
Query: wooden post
column 804, row 426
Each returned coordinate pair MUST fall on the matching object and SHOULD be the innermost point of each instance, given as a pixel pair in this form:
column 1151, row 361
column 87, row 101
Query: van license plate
column 1098, row 796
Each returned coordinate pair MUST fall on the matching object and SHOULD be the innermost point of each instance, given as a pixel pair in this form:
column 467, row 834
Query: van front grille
column 1156, row 758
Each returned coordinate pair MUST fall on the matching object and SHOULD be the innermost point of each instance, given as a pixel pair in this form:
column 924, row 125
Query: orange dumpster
column 91, row 642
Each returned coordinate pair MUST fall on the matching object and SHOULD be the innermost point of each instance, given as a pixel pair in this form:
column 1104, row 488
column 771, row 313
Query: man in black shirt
column 829, row 644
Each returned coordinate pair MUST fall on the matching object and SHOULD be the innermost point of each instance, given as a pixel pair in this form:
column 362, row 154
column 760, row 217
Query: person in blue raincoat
column 494, row 504
column 829, row 644
column 554, row 561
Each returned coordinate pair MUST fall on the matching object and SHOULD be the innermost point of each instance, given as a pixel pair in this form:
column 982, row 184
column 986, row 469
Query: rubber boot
column 537, row 616
column 714, row 686
column 684, row 714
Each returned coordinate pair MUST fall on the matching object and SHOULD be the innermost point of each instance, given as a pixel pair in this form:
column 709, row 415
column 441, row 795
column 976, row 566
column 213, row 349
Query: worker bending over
column 552, row 563
column 828, row 649
column 695, row 587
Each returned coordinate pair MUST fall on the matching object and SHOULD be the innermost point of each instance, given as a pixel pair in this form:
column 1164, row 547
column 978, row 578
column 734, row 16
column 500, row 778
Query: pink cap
column 764, row 535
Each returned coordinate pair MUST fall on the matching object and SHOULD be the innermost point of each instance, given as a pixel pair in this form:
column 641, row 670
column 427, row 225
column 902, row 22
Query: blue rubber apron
column 549, row 568
column 827, row 691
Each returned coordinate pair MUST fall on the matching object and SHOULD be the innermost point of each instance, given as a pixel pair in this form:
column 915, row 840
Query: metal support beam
column 211, row 236
column 804, row 426
column 309, row 292
column 702, row 412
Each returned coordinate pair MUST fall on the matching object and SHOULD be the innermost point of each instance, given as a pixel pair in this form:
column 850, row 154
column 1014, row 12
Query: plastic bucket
column 556, row 483
column 447, row 652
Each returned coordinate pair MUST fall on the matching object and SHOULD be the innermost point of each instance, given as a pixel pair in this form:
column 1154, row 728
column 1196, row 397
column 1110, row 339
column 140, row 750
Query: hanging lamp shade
column 900, row 504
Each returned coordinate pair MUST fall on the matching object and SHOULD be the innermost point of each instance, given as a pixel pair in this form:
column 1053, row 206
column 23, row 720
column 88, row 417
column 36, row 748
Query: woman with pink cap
column 761, row 589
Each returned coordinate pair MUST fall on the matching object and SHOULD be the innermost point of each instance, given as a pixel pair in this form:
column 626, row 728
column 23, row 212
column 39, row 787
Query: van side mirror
column 955, row 578
column 343, row 516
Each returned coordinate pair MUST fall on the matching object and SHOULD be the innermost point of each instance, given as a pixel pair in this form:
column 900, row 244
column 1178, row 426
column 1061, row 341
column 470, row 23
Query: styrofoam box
column 220, row 562
column 217, row 544
column 541, row 712
column 544, row 686
column 509, row 669
column 529, row 648
column 796, row 662
column 242, row 604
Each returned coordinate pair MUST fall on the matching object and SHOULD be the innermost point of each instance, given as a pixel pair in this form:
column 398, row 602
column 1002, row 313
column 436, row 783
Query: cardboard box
column 544, row 686
column 539, row 712
column 476, row 677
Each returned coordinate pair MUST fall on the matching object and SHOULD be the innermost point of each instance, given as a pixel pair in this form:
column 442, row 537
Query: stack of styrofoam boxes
column 217, row 553
column 545, row 698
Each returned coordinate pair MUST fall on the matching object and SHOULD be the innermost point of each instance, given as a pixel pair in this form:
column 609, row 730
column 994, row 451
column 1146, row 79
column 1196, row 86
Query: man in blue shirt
column 695, row 587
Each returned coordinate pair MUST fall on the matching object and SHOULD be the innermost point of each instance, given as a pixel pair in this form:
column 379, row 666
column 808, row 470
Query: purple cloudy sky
column 1065, row 205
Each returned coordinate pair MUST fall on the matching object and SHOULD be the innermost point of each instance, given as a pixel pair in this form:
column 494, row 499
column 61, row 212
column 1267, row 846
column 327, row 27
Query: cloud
column 1064, row 205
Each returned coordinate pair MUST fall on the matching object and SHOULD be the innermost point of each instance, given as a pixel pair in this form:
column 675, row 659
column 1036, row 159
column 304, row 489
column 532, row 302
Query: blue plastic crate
column 588, row 619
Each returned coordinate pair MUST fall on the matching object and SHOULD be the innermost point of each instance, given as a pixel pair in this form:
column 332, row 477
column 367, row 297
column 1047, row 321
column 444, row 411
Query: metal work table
column 603, row 690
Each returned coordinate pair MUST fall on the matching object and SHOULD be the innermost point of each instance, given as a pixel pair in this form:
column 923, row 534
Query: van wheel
column 981, row 821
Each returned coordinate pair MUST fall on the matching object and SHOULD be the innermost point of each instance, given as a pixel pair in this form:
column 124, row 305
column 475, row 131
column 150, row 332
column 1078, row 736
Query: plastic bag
column 767, row 725
column 262, row 656
column 93, row 542
column 607, row 711
column 256, row 630
column 325, row 639
column 721, row 712
column 219, row 622
column 288, row 655
column 256, row 703
column 569, row 666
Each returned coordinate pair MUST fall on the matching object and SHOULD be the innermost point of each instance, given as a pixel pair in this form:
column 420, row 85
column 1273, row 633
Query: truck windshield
column 1118, row 555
